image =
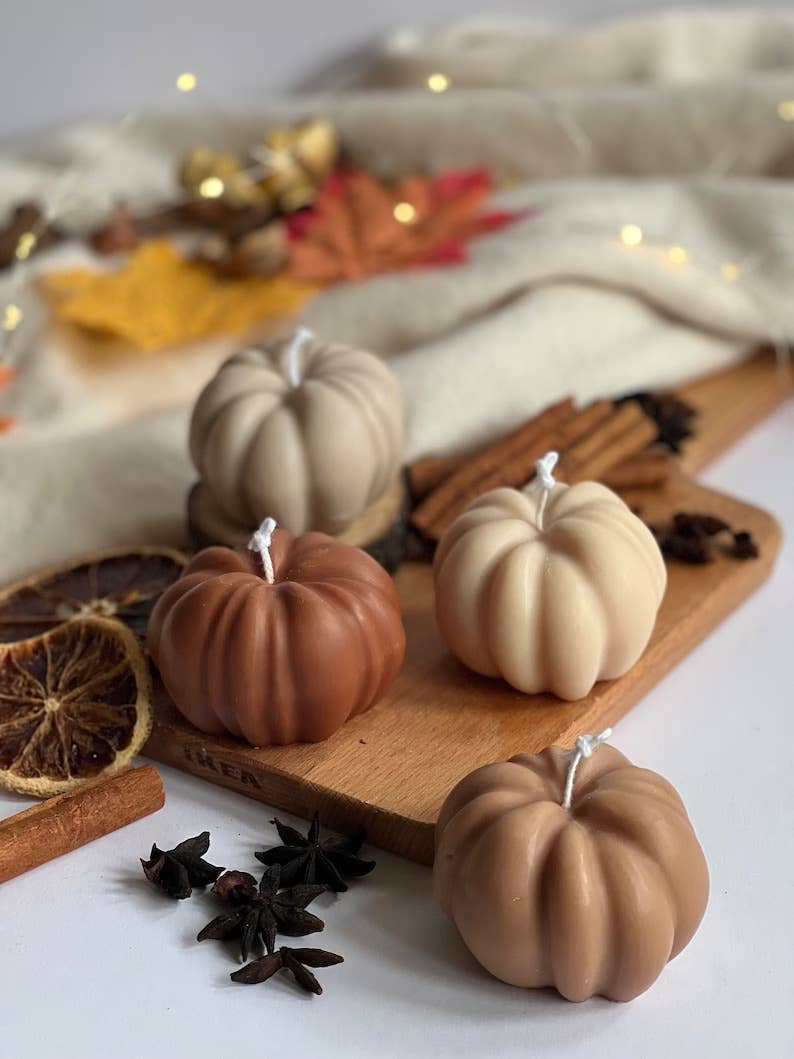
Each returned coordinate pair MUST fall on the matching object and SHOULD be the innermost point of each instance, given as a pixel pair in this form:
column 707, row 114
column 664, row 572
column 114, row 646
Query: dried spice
column 359, row 226
column 593, row 442
column 744, row 547
column 304, row 858
column 692, row 538
column 122, row 583
column 674, row 418
column 260, row 912
column 74, row 705
column 296, row 961
column 176, row 871
column 159, row 298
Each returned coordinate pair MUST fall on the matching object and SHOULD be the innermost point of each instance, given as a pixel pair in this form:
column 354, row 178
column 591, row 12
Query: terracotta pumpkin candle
column 308, row 432
column 281, row 644
column 570, row 869
column 552, row 588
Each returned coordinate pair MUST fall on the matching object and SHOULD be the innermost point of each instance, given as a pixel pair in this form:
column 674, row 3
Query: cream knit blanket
column 678, row 124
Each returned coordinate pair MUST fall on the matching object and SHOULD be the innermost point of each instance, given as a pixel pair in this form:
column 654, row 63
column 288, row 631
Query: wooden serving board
column 391, row 769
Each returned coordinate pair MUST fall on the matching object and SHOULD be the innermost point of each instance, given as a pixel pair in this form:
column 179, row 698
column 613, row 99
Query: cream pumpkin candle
column 306, row 432
column 280, row 644
column 552, row 588
column 572, row 869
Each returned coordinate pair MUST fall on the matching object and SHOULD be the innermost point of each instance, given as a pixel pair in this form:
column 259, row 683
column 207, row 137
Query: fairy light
column 631, row 235
column 677, row 255
column 438, row 82
column 405, row 213
column 25, row 246
column 211, row 187
column 186, row 82
column 730, row 272
column 785, row 110
column 12, row 317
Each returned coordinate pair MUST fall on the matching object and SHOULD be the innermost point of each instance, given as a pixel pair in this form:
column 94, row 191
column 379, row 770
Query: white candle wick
column 292, row 355
column 260, row 542
column 545, row 480
column 585, row 745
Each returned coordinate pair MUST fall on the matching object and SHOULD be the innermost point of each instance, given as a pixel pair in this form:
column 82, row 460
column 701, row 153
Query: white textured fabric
column 671, row 123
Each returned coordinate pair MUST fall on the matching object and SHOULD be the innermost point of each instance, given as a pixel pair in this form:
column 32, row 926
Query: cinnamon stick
column 649, row 469
column 624, row 433
column 426, row 474
column 463, row 482
column 71, row 820
column 518, row 470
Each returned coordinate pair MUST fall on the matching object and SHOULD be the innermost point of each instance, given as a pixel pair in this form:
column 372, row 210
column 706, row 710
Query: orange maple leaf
column 359, row 226
column 8, row 423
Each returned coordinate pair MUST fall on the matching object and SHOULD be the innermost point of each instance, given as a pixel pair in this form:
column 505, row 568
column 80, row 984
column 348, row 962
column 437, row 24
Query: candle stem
column 585, row 745
column 544, row 480
column 260, row 542
column 292, row 355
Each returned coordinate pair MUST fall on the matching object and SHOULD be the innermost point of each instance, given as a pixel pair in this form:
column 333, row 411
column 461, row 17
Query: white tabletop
column 95, row 963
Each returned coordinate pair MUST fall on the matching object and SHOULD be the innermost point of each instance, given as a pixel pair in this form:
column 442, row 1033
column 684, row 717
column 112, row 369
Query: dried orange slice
column 121, row 583
column 75, row 704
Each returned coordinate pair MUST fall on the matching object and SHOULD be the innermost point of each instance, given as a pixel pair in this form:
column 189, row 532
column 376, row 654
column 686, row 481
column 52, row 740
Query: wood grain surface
column 391, row 769
column 729, row 403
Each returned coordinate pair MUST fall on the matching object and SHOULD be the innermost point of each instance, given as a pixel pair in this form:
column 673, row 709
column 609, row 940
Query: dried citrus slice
column 122, row 583
column 75, row 704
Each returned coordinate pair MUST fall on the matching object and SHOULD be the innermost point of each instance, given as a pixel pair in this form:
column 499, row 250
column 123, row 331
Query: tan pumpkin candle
column 570, row 869
column 552, row 588
column 281, row 644
column 306, row 432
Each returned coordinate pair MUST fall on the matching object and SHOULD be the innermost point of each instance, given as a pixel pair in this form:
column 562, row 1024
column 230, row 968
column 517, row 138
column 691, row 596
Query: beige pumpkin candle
column 572, row 869
column 308, row 432
column 552, row 588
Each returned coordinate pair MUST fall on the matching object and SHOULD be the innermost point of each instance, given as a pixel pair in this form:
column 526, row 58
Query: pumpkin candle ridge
column 283, row 661
column 591, row 899
column 306, row 431
column 552, row 588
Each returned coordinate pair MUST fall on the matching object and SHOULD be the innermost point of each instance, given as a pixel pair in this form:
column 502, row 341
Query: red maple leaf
column 359, row 226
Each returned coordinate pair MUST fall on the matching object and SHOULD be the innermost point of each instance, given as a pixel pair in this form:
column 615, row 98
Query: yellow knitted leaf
column 159, row 298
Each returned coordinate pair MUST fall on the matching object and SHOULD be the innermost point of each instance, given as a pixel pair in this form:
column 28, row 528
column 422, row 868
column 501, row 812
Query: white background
column 61, row 59
column 95, row 963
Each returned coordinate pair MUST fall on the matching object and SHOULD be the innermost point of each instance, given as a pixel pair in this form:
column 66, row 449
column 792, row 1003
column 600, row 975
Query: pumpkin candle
column 552, row 588
column 308, row 432
column 280, row 644
column 572, row 869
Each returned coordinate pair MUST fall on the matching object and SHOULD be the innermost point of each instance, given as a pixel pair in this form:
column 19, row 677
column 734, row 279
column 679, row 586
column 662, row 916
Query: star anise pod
column 261, row 912
column 306, row 859
column 176, row 871
column 297, row 961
